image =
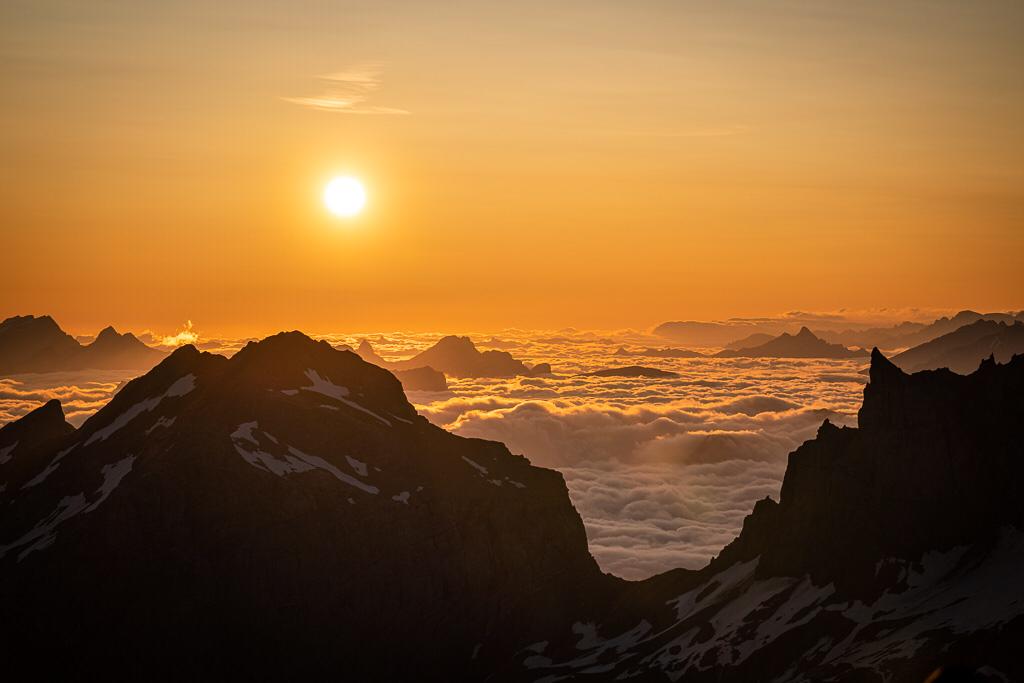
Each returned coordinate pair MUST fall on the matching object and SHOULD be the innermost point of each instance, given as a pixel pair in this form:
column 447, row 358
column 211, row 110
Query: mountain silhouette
column 34, row 344
column 281, row 513
column 907, row 334
column 37, row 344
column 459, row 357
column 803, row 344
column 963, row 349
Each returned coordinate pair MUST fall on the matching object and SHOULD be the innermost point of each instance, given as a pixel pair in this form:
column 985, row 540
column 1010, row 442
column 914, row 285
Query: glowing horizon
column 616, row 168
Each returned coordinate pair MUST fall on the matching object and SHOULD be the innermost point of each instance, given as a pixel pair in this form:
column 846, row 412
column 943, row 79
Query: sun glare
column 345, row 196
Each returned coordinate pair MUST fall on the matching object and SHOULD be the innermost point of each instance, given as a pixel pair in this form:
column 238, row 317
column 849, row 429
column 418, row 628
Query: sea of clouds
column 662, row 471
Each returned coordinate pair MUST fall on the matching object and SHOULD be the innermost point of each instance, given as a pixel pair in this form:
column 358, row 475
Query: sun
column 344, row 196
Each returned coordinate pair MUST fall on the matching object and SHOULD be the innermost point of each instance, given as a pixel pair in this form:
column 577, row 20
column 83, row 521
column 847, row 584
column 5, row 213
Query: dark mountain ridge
column 284, row 512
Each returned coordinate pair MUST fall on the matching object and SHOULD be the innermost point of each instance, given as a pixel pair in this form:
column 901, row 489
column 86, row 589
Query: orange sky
column 531, row 164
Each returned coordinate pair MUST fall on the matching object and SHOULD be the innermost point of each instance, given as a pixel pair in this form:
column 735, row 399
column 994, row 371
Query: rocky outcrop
column 282, row 513
column 422, row 379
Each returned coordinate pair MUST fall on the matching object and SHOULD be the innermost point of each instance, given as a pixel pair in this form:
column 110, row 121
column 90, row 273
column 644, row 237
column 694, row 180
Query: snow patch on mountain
column 180, row 387
column 6, row 452
column 162, row 422
column 291, row 462
column 44, row 532
column 327, row 388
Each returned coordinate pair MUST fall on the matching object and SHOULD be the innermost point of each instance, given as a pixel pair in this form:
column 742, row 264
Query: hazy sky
column 528, row 163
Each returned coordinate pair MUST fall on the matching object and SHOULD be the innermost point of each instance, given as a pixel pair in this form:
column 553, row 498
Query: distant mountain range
column 909, row 334
column 963, row 349
column 286, row 513
column 38, row 344
column 735, row 334
column 803, row 344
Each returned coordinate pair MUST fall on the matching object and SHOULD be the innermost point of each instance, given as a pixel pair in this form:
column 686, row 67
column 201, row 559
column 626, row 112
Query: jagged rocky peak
column 934, row 463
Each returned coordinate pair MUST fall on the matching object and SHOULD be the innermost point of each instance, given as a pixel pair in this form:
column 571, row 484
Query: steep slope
column 803, row 344
column 895, row 549
column 21, row 441
column 963, row 349
column 283, row 513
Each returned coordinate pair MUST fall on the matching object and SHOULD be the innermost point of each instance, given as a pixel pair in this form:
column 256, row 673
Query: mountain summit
column 284, row 512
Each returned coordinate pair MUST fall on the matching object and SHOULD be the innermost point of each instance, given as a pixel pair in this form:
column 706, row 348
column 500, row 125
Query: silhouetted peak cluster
column 38, row 344
column 934, row 462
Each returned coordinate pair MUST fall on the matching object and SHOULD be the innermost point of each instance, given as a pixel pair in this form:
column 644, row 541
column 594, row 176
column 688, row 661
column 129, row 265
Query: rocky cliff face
column 283, row 513
column 895, row 549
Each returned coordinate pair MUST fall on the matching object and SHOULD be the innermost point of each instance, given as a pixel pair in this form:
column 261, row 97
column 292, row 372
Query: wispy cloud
column 347, row 92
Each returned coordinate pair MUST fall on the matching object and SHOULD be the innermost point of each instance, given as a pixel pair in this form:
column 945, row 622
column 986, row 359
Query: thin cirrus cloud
column 347, row 92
